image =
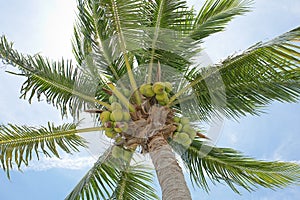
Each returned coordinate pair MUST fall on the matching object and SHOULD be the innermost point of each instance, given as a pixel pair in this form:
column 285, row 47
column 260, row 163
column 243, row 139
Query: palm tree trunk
column 169, row 173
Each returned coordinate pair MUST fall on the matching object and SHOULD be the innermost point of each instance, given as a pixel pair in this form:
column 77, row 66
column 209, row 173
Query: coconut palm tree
column 137, row 74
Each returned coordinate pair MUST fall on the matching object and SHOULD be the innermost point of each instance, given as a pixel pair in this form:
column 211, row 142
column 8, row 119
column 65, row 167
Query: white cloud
column 286, row 150
column 58, row 37
column 69, row 162
column 230, row 136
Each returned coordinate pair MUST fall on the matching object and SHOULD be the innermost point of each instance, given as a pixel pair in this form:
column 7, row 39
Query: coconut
column 126, row 116
column 162, row 97
column 116, row 115
column 110, row 134
column 168, row 87
column 143, row 88
column 179, row 127
column 192, row 134
column 105, row 116
column 112, row 99
column 183, row 137
column 184, row 120
column 186, row 128
column 158, row 88
column 126, row 92
column 148, row 91
column 176, row 119
column 116, row 106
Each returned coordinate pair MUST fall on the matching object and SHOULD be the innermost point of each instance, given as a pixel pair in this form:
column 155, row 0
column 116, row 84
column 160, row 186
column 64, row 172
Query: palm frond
column 111, row 179
column 166, row 15
column 60, row 82
column 126, row 19
column 170, row 14
column 18, row 144
column 98, row 182
column 251, row 80
column 230, row 166
column 94, row 37
column 215, row 15
column 134, row 183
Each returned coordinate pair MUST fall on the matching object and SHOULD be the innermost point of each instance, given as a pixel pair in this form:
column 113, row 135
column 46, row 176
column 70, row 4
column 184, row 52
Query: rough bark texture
column 169, row 173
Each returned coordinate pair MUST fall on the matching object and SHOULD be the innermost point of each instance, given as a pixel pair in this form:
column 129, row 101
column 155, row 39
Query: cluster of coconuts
column 184, row 134
column 161, row 91
column 115, row 121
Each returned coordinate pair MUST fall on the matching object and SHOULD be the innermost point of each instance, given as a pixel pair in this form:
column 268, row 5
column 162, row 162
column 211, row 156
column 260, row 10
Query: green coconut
column 146, row 90
column 158, row 88
column 192, row 134
column 143, row 88
column 112, row 99
column 186, row 128
column 126, row 92
column 110, row 134
column 126, row 116
column 179, row 127
column 116, row 115
column 105, row 116
column 184, row 120
column 176, row 119
column 162, row 97
column 168, row 87
column 116, row 106
column 182, row 138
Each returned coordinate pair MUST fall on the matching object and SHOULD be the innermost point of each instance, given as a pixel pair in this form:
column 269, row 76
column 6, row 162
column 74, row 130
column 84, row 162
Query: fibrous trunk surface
column 169, row 173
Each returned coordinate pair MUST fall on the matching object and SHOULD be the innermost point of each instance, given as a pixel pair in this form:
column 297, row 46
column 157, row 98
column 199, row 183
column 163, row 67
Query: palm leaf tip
column 230, row 166
column 215, row 15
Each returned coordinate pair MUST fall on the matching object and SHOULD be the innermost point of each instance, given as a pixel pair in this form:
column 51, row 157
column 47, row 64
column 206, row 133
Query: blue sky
column 46, row 27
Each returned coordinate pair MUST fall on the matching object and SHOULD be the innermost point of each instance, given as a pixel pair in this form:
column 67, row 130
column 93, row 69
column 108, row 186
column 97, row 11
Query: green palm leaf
column 134, row 183
column 126, row 18
column 166, row 15
column 170, row 14
column 93, row 37
column 111, row 179
column 98, row 182
column 215, row 15
column 230, row 166
column 263, row 73
column 18, row 144
column 63, row 85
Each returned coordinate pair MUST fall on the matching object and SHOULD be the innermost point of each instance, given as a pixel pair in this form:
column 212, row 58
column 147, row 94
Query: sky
column 46, row 27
